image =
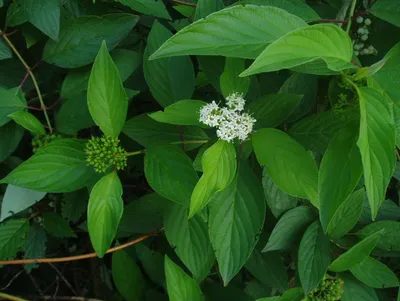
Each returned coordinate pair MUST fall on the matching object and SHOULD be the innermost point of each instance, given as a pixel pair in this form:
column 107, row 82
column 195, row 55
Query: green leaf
column 325, row 42
column 230, row 81
column 17, row 199
column 271, row 110
column 44, row 15
column 57, row 226
column 356, row 254
column 154, row 8
column 390, row 239
column 148, row 132
column 104, row 212
column 294, row 294
column 354, row 290
column 189, row 238
column 278, row 201
column 5, row 51
column 295, row 7
column 170, row 79
column 152, row 263
column 212, row 66
column 314, row 257
column 35, row 245
column 377, row 144
column 219, row 169
column 127, row 276
column 15, row 15
column 10, row 103
column 143, row 215
column 388, row 211
column 12, row 237
column 259, row 26
column 269, row 269
column 11, row 135
column 289, row 165
column 183, row 112
column 28, row 121
column 375, row 274
column 342, row 161
column 347, row 215
column 179, row 285
column 236, row 219
column 169, row 171
column 84, row 35
column 289, row 227
column 387, row 10
column 58, row 167
column 74, row 204
column 317, row 131
column 107, row 100
column 207, row 7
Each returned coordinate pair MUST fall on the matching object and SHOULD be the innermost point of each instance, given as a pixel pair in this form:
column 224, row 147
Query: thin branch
column 352, row 9
column 61, row 298
column 184, row 3
column 79, row 257
column 5, row 296
column 63, row 279
column 35, row 284
column 11, row 281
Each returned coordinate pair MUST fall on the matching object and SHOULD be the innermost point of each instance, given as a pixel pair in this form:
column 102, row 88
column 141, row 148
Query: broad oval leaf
column 237, row 216
column 179, row 285
column 230, row 82
column 12, row 237
column 325, row 42
column 342, row 161
column 28, row 121
column 104, row 212
column 289, row 227
column 149, row 7
column 59, row 167
column 127, row 276
column 375, row 274
column 355, row 254
column 314, row 257
column 355, row 290
column 11, row 135
column 219, row 169
column 84, row 35
column 189, row 238
column 10, row 103
column 207, row 7
column 377, row 144
column 289, row 165
column 259, row 26
column 387, row 10
column 107, row 100
column 390, row 239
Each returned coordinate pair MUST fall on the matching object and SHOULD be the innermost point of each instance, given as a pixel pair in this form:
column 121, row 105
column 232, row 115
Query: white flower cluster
column 231, row 122
column 362, row 35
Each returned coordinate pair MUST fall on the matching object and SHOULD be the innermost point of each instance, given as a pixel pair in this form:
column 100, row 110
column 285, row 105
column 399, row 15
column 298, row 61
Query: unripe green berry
column 367, row 22
column 359, row 20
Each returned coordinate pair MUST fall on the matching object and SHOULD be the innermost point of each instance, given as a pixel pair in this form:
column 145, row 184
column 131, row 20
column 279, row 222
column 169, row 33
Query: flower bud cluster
column 231, row 122
column 330, row 289
column 40, row 141
column 360, row 48
column 105, row 152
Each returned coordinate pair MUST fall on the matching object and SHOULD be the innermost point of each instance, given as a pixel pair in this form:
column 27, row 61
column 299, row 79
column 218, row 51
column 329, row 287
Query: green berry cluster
column 330, row 289
column 105, row 152
column 40, row 141
column 361, row 36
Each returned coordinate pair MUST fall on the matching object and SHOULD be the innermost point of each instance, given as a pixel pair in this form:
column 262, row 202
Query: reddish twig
column 184, row 3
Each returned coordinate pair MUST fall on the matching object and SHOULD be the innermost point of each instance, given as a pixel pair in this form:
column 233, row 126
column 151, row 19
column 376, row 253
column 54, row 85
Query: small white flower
column 367, row 22
column 210, row 114
column 235, row 102
column 360, row 20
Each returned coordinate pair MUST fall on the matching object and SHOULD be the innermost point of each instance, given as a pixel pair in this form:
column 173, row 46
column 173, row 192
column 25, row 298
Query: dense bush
column 219, row 150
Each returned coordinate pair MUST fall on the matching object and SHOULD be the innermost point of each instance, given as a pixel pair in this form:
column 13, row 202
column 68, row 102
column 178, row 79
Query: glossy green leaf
column 347, row 214
column 107, row 100
column 293, row 294
column 230, row 81
column 387, row 10
column 375, row 274
column 354, row 290
column 84, row 35
column 15, row 15
column 342, row 161
column 5, row 51
column 149, row 7
column 259, row 26
column 28, row 121
column 376, row 143
column 183, row 112
column 219, row 169
column 189, row 238
column 17, row 199
column 237, row 216
column 170, row 79
column 325, row 42
column 44, row 15
column 390, row 239
column 10, row 103
column 356, row 254
column 289, row 165
column 271, row 110
column 314, row 257
column 104, row 212
column 57, row 226
column 12, row 237
column 207, row 7
column 59, row 167
column 11, row 135
column 389, row 210
column 152, row 263
column 179, row 285
column 289, row 228
column 127, row 276
column 35, row 245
